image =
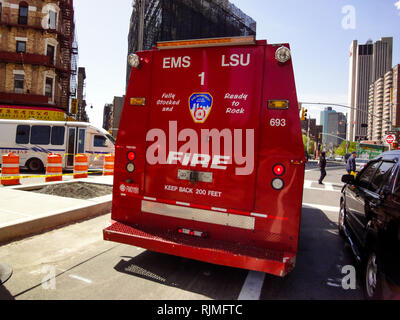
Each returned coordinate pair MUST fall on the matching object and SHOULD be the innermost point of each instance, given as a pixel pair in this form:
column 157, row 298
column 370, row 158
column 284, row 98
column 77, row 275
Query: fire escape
column 69, row 53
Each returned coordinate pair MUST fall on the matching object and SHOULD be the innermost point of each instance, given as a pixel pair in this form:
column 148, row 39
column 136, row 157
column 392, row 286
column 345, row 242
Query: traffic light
column 304, row 114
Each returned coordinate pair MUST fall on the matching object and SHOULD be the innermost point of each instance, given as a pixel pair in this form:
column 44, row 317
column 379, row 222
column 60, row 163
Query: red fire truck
column 209, row 155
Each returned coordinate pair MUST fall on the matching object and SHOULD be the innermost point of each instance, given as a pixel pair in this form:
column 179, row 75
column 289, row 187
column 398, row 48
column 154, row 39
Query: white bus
column 33, row 140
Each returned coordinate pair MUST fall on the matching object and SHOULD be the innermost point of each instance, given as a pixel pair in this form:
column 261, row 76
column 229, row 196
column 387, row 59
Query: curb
column 57, row 219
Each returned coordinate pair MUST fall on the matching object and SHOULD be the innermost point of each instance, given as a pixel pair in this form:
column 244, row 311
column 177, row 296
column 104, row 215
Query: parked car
column 360, row 164
column 369, row 219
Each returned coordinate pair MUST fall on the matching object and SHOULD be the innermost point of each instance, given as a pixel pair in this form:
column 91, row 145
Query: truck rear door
column 204, row 125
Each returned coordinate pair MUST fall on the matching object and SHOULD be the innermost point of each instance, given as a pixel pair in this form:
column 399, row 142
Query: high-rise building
column 384, row 109
column 38, row 57
column 166, row 20
column 368, row 63
column 334, row 126
column 395, row 97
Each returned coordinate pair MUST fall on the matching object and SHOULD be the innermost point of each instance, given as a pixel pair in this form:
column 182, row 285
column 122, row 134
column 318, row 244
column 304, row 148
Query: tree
column 341, row 150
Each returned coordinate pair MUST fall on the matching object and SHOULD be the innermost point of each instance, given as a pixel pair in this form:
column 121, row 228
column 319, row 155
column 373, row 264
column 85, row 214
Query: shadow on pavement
column 5, row 294
column 213, row 281
column 321, row 256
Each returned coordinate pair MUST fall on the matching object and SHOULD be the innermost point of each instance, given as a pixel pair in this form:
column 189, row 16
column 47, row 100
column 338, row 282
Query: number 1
column 202, row 76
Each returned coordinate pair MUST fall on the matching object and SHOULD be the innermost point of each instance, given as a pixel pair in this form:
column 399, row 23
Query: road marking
column 251, row 289
column 326, row 187
column 80, row 278
column 320, row 207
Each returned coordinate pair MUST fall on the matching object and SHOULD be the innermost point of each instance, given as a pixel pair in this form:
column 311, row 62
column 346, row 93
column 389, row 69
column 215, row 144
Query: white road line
column 329, row 186
column 321, row 207
column 251, row 289
column 80, row 278
column 307, row 184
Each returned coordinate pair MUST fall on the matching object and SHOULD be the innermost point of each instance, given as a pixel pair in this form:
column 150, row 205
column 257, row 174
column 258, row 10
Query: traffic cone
column 81, row 166
column 10, row 170
column 54, row 167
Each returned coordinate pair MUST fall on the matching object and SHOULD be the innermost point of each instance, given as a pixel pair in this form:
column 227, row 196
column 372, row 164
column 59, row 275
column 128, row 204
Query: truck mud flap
column 208, row 250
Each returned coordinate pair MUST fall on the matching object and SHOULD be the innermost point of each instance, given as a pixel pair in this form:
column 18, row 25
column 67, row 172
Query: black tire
column 373, row 276
column 35, row 165
column 342, row 219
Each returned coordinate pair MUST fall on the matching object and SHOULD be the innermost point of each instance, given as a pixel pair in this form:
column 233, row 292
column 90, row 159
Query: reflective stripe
column 208, row 216
column 10, row 165
column 54, row 165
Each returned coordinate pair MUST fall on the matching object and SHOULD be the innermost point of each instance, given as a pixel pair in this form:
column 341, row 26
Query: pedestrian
column 351, row 163
column 322, row 166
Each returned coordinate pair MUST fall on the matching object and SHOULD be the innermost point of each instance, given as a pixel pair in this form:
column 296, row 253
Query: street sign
column 390, row 139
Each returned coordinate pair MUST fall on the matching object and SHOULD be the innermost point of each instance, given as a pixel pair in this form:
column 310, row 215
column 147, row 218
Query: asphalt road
column 79, row 265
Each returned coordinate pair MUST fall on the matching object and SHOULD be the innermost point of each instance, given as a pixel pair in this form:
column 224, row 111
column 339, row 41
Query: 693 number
column 277, row 122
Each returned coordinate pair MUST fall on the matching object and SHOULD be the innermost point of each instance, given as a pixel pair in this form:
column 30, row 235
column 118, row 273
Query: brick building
column 38, row 54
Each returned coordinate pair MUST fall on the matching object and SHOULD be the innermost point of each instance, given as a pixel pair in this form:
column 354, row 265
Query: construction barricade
column 81, row 166
column 10, row 170
column 54, row 168
column 108, row 169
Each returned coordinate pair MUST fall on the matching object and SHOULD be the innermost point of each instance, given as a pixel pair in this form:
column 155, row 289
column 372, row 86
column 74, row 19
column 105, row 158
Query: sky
column 319, row 33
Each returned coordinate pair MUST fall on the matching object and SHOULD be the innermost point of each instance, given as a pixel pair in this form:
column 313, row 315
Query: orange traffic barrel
column 81, row 166
column 108, row 169
column 54, row 167
column 10, row 170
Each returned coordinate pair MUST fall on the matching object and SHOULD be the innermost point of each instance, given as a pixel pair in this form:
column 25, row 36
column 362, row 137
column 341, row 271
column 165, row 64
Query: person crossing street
column 322, row 166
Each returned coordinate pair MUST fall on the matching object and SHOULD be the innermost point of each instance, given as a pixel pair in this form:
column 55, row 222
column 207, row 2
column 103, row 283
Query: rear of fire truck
column 209, row 154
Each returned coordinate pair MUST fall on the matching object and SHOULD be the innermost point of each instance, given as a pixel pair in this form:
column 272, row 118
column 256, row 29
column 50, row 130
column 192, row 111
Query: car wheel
column 35, row 165
column 373, row 278
column 342, row 218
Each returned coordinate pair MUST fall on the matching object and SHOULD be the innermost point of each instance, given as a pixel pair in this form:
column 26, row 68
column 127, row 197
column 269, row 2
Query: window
column 396, row 193
column 49, row 88
column 100, row 141
column 21, row 46
column 57, row 136
column 23, row 13
column 50, row 53
column 40, row 135
column 22, row 136
column 381, row 176
column 367, row 174
column 52, row 20
column 19, row 83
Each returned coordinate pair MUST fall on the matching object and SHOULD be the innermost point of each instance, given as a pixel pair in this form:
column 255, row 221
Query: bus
column 33, row 140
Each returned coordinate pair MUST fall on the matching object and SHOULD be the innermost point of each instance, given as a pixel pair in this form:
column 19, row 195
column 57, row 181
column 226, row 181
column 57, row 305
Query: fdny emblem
column 200, row 106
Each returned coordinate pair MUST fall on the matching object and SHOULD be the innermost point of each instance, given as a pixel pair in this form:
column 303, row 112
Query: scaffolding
column 166, row 20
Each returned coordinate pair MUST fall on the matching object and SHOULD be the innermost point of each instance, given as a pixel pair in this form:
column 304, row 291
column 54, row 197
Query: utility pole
column 308, row 134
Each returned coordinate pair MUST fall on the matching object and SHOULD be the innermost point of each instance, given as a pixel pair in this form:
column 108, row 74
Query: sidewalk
column 24, row 213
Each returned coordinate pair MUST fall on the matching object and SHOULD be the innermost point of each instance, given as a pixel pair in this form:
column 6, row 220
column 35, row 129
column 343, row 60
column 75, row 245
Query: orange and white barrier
column 108, row 169
column 81, row 166
column 10, row 169
column 54, row 168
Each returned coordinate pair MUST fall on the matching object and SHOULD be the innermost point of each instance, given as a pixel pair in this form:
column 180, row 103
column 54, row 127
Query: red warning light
column 131, row 156
column 279, row 170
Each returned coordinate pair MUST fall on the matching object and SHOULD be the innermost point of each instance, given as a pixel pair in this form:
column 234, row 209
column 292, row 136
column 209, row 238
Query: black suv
column 370, row 219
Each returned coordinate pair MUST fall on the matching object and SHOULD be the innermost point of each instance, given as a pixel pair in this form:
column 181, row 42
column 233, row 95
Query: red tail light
column 279, row 170
column 131, row 155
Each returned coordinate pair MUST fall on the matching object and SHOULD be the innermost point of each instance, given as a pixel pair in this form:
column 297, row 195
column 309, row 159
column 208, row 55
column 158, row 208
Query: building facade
column 334, row 127
column 166, row 20
column 368, row 63
column 384, row 112
column 38, row 54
